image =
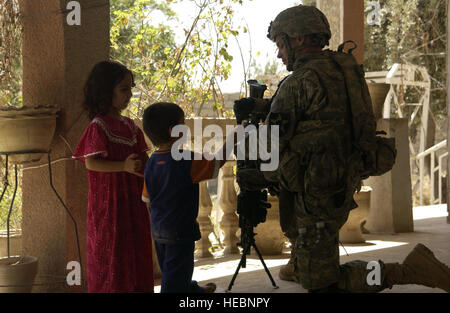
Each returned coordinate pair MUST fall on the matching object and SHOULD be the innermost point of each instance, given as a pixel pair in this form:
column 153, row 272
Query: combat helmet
column 298, row 21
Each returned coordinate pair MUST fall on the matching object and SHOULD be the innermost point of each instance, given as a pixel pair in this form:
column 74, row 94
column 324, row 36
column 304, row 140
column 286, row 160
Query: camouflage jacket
column 311, row 107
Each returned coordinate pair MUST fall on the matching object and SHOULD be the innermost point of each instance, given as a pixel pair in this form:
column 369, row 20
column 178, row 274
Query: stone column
column 448, row 110
column 391, row 200
column 346, row 18
column 204, row 221
column 227, row 200
column 56, row 61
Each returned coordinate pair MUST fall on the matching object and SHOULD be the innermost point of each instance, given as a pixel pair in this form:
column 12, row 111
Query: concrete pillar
column 346, row 18
column 448, row 108
column 391, row 200
column 57, row 58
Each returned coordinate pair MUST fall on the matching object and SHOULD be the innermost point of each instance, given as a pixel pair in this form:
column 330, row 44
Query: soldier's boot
column 420, row 267
column 287, row 271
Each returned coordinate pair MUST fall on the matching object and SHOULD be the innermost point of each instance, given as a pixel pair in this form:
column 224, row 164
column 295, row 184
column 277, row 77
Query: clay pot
column 351, row 231
column 269, row 238
column 17, row 274
column 26, row 129
column 378, row 93
column 15, row 241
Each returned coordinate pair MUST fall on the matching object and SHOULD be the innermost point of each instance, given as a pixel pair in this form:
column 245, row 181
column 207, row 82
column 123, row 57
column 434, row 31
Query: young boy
column 171, row 188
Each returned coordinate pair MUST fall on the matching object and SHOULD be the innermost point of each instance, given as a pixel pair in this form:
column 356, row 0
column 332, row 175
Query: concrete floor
column 430, row 228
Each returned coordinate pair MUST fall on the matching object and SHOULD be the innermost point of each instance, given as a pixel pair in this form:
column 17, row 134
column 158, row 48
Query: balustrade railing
column 437, row 153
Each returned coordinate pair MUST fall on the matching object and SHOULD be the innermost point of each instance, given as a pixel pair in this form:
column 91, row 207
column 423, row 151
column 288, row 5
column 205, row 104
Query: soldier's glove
column 242, row 108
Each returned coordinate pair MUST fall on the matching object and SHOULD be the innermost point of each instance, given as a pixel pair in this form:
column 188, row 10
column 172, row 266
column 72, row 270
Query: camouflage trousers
column 316, row 252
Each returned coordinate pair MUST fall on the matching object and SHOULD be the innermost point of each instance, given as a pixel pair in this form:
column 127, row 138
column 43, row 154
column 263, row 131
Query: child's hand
column 133, row 165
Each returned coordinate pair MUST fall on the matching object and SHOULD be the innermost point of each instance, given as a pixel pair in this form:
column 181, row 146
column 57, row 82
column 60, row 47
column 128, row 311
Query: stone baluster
column 204, row 221
column 227, row 200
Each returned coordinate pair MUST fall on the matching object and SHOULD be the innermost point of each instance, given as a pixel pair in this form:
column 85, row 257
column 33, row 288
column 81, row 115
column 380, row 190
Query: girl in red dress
column 118, row 241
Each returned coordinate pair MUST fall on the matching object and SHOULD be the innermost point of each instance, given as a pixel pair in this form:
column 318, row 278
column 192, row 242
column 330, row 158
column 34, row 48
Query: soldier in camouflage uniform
column 315, row 174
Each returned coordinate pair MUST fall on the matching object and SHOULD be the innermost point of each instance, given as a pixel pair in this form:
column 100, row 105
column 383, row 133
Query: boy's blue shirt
column 173, row 191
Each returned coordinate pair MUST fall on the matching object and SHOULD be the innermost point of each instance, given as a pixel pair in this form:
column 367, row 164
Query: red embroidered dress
column 118, row 241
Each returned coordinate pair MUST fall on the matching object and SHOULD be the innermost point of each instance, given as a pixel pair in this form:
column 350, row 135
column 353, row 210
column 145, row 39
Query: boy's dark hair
column 158, row 118
column 99, row 87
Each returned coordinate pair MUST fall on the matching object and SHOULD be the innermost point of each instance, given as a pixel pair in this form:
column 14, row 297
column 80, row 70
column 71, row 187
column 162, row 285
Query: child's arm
column 222, row 154
column 131, row 165
column 208, row 168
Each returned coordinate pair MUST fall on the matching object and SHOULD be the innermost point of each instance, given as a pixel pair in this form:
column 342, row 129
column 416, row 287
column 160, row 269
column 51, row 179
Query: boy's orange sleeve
column 145, row 196
column 204, row 169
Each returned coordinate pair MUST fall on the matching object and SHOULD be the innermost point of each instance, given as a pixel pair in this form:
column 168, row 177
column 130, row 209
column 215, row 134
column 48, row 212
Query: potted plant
column 23, row 129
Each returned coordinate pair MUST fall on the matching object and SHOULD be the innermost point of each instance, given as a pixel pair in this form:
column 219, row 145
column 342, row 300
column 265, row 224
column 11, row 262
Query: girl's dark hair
column 98, row 90
column 158, row 118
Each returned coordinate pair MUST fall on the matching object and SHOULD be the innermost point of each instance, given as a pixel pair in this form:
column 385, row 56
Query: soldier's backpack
column 378, row 153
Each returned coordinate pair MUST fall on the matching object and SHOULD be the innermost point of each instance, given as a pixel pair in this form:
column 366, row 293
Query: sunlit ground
column 217, row 269
column 430, row 211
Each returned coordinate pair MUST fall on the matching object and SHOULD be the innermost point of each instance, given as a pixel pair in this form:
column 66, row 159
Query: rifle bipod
column 243, row 261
